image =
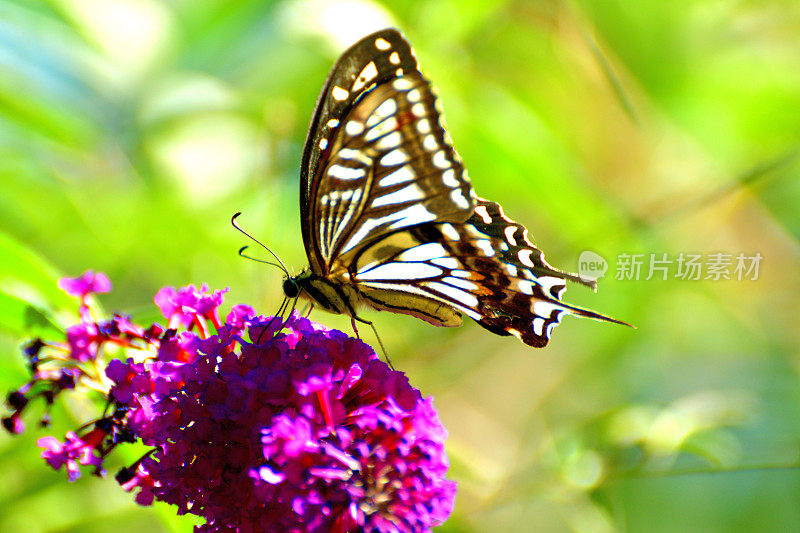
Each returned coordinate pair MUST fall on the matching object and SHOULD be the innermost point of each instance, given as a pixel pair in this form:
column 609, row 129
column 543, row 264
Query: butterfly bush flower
column 252, row 424
column 85, row 284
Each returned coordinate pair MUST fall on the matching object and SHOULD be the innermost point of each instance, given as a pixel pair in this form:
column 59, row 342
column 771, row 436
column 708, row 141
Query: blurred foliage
column 131, row 130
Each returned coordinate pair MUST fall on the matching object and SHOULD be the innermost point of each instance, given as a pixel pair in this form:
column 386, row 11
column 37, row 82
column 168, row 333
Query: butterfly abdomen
column 417, row 305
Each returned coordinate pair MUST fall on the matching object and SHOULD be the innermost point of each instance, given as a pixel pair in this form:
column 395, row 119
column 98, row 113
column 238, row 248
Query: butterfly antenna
column 235, row 225
column 251, row 258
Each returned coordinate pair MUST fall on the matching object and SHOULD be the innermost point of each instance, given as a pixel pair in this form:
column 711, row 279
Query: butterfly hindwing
column 525, row 291
column 486, row 268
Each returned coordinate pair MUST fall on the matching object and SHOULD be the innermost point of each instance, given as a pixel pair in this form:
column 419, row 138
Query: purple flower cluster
column 263, row 425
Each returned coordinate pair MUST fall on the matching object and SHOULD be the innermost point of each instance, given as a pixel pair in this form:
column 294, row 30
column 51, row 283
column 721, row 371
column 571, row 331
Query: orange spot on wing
column 404, row 118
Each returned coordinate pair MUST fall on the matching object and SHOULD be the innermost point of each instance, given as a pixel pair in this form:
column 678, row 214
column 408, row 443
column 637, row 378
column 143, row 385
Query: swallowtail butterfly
column 390, row 220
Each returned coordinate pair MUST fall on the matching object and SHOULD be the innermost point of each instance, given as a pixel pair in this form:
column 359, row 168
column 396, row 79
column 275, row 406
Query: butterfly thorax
column 329, row 294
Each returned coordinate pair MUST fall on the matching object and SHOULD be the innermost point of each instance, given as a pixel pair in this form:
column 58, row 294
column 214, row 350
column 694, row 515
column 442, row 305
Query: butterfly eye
column 290, row 288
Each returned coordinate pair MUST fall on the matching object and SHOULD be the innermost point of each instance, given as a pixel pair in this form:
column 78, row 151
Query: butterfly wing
column 389, row 214
column 377, row 158
column 486, row 268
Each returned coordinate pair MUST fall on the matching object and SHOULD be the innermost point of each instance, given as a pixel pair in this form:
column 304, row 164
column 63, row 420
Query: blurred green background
column 131, row 130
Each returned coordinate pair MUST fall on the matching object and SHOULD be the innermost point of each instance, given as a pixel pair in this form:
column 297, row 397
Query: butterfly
column 390, row 220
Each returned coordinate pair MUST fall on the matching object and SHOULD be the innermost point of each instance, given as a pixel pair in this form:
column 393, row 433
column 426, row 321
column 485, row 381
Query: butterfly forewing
column 391, row 166
column 379, row 58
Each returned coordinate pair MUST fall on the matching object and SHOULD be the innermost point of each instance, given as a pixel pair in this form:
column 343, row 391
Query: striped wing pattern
column 392, row 166
column 485, row 268
column 377, row 59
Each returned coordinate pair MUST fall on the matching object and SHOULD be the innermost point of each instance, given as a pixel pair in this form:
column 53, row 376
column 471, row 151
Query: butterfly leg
column 289, row 316
column 355, row 329
column 380, row 342
column 278, row 314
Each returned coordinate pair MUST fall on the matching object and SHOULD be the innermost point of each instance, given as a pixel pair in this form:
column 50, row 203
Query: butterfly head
column 291, row 288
